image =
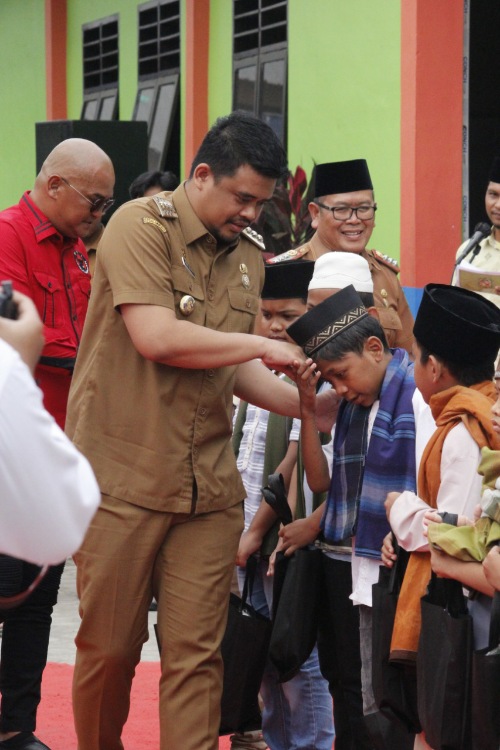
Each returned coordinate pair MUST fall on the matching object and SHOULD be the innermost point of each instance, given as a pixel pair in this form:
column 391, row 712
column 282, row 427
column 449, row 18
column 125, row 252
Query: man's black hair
column 353, row 340
column 146, row 180
column 465, row 374
column 238, row 139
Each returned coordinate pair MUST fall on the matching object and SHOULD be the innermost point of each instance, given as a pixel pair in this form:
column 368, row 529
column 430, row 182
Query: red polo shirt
column 53, row 270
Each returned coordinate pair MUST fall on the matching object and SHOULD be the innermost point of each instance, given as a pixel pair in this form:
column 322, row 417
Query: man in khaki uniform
column 343, row 215
column 167, row 341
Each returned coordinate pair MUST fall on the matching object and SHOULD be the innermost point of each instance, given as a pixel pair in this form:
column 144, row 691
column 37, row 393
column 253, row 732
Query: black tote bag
column 486, row 687
column 394, row 685
column 444, row 661
column 244, row 651
column 296, row 601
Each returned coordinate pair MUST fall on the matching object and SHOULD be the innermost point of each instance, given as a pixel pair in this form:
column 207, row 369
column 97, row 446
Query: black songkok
column 457, row 325
column 494, row 175
column 334, row 315
column 287, row 280
column 341, row 177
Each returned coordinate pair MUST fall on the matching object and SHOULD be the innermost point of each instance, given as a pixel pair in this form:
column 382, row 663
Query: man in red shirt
column 42, row 253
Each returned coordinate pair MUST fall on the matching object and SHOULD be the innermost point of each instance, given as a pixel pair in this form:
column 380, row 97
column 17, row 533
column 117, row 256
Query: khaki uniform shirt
column 160, row 436
column 394, row 313
column 488, row 258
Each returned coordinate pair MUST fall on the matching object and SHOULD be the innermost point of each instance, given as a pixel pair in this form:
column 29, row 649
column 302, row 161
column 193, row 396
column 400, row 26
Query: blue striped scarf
column 362, row 478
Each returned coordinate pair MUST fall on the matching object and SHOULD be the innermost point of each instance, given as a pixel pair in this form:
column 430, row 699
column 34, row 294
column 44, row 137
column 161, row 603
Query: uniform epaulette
column 293, row 254
column 166, row 208
column 386, row 260
column 255, row 237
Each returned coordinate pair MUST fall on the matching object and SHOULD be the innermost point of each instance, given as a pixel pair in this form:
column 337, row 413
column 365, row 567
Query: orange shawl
column 450, row 407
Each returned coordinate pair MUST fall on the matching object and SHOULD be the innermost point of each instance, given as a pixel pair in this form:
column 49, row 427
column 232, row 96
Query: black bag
column 444, row 666
column 296, row 600
column 486, row 687
column 244, row 651
column 394, row 685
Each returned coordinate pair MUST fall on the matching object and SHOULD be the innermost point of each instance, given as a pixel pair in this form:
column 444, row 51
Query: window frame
column 99, row 94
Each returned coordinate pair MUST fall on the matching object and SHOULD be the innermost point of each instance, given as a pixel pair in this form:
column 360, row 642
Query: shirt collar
column 42, row 227
column 192, row 227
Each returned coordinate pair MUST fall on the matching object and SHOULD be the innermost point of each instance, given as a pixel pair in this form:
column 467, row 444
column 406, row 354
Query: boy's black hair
column 367, row 299
column 353, row 340
column 146, row 180
column 238, row 139
column 465, row 374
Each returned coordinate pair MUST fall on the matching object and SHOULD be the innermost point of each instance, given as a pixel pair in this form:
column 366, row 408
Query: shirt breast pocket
column 243, row 307
column 47, row 298
column 189, row 297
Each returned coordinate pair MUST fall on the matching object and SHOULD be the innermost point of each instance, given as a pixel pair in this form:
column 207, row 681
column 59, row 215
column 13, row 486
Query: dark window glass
column 108, row 108
column 260, row 60
column 272, row 95
column 100, row 69
column 90, row 110
column 144, row 104
column 157, row 100
column 245, row 80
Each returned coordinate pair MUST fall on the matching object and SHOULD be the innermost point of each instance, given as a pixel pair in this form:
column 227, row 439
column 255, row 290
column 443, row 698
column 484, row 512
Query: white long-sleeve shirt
column 459, row 490
column 48, row 492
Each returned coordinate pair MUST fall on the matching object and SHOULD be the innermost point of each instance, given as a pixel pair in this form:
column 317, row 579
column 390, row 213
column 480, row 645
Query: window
column 157, row 100
column 100, row 70
column 260, row 60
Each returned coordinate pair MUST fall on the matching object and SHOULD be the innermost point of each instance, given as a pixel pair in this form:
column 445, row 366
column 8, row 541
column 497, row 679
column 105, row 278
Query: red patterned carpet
column 55, row 719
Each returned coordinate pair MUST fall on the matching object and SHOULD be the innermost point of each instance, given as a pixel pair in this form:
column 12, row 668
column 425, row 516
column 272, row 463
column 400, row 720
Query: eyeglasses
column 98, row 204
column 344, row 213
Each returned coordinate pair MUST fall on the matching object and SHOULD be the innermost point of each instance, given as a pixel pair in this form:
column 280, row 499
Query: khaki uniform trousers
column 187, row 562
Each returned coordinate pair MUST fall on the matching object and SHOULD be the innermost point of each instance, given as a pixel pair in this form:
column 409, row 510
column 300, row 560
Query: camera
column 8, row 308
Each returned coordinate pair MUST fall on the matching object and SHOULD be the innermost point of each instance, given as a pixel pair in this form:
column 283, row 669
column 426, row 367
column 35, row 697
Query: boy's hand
column 430, row 516
column 388, row 554
column 491, row 567
column 390, row 500
column 250, row 542
column 272, row 559
column 306, row 377
column 298, row 534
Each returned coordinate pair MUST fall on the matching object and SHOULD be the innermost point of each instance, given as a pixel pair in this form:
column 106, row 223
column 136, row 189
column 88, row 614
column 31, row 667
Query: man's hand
column 327, row 408
column 26, row 333
column 283, row 357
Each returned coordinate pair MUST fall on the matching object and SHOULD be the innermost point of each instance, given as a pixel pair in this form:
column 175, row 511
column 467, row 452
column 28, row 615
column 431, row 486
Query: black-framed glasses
column 344, row 213
column 98, row 204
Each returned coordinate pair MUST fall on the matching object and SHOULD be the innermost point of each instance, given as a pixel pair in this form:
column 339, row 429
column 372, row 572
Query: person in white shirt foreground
column 48, row 492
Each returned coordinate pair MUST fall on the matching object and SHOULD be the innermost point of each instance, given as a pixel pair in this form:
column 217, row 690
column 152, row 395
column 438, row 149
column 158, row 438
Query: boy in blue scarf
column 374, row 449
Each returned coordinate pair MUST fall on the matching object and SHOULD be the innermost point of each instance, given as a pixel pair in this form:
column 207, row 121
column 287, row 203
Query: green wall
column 22, row 93
column 344, row 95
column 220, row 66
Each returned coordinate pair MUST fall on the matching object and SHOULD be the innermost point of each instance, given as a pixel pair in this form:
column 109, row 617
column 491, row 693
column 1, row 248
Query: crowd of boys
column 170, row 336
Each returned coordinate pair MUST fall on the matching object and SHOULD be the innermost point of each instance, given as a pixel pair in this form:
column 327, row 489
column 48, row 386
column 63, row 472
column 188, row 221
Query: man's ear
column 201, row 175
column 54, row 184
column 314, row 213
column 373, row 312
